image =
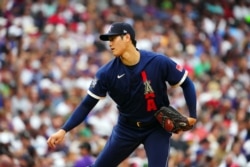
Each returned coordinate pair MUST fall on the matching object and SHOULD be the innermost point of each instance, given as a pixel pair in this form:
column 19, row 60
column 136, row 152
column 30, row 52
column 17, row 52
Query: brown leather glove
column 173, row 121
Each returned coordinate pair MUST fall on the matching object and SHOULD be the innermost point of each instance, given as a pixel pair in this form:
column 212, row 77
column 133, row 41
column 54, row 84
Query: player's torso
column 139, row 88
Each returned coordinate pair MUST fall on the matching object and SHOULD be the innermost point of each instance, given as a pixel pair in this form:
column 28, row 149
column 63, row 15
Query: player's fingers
column 191, row 120
column 56, row 138
column 49, row 141
column 52, row 142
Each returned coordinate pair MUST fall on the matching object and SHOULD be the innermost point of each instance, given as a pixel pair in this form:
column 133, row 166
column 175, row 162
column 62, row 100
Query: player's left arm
column 177, row 76
column 190, row 96
column 170, row 118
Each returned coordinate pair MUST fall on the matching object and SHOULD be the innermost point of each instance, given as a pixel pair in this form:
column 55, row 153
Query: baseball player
column 136, row 81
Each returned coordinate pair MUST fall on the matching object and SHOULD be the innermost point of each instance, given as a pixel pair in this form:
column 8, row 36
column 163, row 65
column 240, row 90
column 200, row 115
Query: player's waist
column 137, row 123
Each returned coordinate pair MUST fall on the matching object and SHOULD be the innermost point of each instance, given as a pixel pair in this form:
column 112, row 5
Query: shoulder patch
column 179, row 67
column 93, row 83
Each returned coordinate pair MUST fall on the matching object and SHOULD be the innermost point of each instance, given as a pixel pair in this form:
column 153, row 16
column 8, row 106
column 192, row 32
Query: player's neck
column 130, row 57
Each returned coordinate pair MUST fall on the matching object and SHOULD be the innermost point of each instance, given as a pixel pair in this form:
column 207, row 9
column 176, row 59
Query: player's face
column 117, row 45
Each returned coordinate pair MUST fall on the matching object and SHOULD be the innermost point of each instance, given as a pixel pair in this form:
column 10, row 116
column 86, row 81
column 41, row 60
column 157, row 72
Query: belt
column 139, row 124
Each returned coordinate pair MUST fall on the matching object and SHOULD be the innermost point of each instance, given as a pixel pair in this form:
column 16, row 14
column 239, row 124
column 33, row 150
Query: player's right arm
column 74, row 120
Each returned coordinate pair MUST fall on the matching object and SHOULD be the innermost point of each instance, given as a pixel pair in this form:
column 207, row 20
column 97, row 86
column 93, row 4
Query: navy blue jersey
column 138, row 90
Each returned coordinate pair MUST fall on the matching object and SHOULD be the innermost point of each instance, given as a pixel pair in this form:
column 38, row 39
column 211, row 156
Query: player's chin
column 116, row 54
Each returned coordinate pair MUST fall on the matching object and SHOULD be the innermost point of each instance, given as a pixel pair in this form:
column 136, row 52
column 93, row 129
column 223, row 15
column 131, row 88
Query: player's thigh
column 118, row 147
column 157, row 147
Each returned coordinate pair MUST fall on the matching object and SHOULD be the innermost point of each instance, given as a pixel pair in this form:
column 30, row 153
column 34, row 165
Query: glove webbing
column 183, row 124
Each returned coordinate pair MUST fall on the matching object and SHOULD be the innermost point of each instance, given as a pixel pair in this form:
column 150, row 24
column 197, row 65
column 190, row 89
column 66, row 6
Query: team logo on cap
column 110, row 28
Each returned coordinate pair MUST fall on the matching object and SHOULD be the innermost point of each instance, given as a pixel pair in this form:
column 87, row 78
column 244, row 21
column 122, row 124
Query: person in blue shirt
column 136, row 81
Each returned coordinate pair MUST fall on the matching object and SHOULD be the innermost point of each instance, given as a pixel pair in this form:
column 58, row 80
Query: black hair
column 133, row 40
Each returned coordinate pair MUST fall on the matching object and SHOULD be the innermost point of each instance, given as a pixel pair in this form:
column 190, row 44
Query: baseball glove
column 173, row 121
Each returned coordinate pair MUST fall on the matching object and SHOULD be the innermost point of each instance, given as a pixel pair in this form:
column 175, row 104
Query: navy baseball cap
column 119, row 28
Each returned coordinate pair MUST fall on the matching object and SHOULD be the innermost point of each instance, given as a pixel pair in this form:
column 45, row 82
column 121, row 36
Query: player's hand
column 192, row 121
column 56, row 138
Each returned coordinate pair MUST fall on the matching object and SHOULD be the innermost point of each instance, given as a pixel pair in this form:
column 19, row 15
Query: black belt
column 139, row 124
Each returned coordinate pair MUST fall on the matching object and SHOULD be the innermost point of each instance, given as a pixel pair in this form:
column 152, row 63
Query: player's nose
column 110, row 45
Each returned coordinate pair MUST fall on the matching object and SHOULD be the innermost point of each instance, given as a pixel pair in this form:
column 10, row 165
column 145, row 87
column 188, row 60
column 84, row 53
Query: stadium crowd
column 50, row 51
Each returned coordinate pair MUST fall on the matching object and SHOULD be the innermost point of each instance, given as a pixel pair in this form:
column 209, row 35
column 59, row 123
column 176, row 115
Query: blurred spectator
column 6, row 160
column 86, row 158
column 138, row 158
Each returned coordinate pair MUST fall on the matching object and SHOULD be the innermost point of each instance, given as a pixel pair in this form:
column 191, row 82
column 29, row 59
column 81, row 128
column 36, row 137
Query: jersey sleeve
column 98, row 88
column 173, row 72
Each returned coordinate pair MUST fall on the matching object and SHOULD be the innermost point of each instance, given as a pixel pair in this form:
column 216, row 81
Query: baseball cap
column 119, row 28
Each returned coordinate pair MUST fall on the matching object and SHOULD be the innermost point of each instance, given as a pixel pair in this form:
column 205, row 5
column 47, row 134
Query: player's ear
column 127, row 37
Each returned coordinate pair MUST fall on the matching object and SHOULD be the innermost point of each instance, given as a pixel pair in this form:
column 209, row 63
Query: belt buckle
column 138, row 124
